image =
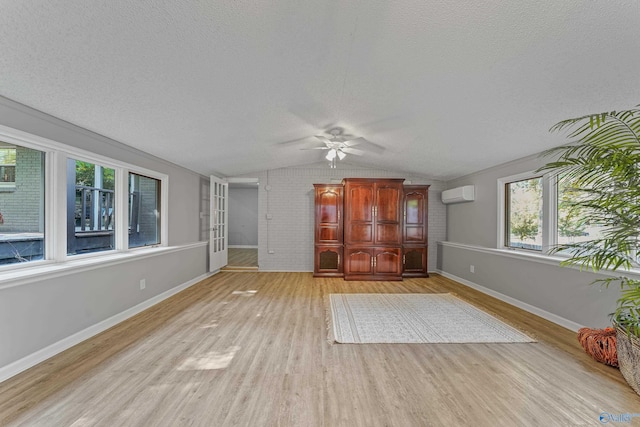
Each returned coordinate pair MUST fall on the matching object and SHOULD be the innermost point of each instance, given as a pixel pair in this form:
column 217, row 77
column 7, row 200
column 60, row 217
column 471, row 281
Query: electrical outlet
column 472, row 268
column 271, row 251
column 143, row 283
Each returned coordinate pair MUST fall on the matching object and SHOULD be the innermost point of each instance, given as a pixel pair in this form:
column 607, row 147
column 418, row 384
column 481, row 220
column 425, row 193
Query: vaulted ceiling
column 233, row 87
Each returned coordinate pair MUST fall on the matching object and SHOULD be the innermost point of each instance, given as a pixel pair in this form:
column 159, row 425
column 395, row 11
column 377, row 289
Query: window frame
column 162, row 213
column 116, row 201
column 9, row 185
column 549, row 211
column 55, row 198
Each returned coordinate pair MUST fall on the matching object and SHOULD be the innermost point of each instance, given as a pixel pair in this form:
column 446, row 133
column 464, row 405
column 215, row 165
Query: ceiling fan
column 338, row 145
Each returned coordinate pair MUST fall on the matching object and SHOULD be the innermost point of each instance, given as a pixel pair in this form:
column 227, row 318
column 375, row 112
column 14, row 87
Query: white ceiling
column 231, row 87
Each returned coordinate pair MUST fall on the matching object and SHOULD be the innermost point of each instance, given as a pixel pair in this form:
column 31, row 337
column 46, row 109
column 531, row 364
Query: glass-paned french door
column 218, row 229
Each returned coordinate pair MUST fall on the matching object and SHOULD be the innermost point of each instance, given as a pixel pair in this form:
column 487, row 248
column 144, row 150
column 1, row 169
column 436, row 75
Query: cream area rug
column 414, row 318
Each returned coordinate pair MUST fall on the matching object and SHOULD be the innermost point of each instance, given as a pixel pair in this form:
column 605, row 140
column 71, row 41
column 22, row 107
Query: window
column 59, row 202
column 523, row 202
column 7, row 166
column 574, row 224
column 144, row 211
column 539, row 213
column 22, row 208
column 90, row 207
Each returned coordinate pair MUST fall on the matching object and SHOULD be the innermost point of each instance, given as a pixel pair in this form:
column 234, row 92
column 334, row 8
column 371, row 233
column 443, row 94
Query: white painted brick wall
column 289, row 234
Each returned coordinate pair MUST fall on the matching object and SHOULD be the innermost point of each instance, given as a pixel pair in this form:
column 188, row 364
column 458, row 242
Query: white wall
column 40, row 312
column 243, row 216
column 561, row 291
column 290, row 201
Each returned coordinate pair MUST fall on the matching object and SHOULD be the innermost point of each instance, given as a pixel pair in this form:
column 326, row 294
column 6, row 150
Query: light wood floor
column 242, row 258
column 219, row 355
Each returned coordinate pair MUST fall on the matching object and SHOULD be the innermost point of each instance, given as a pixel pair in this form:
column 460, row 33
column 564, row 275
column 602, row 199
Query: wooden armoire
column 328, row 230
column 414, row 234
column 371, row 229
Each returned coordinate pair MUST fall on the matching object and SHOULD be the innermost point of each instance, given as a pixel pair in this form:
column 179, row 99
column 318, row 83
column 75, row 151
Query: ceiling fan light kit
column 340, row 144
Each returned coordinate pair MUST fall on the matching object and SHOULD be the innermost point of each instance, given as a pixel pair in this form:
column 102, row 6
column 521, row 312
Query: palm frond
column 601, row 169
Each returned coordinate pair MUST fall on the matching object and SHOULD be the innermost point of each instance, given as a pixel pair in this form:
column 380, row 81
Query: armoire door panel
column 414, row 208
column 330, row 203
column 328, row 230
column 361, row 233
column 358, row 261
column 360, row 203
column 388, row 204
column 387, row 261
column 328, row 234
column 388, row 233
column 328, row 260
column 414, row 234
column 414, row 261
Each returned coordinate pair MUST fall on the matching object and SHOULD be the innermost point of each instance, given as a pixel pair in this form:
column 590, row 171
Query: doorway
column 243, row 224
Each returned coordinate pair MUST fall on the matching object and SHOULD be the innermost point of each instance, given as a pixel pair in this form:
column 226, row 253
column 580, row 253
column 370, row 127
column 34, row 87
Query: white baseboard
column 41, row 355
column 565, row 323
column 242, row 247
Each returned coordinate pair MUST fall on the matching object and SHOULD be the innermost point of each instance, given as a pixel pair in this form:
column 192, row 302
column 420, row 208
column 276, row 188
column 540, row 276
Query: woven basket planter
column 628, row 347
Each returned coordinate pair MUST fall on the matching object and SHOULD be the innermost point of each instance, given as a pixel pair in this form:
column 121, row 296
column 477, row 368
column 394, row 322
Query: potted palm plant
column 601, row 169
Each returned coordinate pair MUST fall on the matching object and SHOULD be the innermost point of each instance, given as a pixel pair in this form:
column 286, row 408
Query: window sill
column 50, row 269
column 539, row 258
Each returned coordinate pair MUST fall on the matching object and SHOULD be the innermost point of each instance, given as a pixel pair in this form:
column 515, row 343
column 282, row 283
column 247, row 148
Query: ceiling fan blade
column 355, row 141
column 316, row 148
column 296, row 141
column 350, row 150
column 323, row 138
column 370, row 146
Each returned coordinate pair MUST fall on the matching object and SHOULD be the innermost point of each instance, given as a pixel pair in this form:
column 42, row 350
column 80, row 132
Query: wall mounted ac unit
column 458, row 195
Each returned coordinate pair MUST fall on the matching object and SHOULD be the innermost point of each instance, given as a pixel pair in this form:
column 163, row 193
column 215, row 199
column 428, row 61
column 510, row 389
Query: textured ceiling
column 233, row 87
